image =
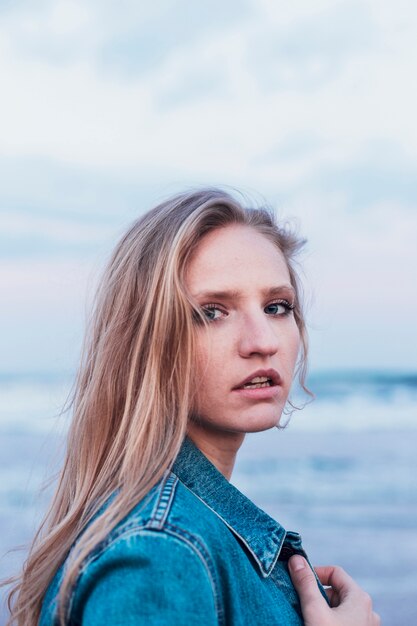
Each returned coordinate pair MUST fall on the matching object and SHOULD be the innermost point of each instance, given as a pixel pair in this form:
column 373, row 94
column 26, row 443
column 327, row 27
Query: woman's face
column 246, row 356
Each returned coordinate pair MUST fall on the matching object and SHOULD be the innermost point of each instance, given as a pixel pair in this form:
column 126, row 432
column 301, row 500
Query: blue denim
column 195, row 551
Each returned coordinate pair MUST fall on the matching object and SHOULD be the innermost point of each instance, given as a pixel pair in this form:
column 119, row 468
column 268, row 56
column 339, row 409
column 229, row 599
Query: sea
column 342, row 473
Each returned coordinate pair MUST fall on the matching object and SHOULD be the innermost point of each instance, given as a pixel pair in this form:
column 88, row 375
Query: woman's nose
column 257, row 336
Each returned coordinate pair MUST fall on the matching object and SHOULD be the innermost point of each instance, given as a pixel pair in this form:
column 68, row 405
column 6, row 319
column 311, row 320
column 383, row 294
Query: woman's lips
column 266, row 384
column 259, row 393
column 271, row 375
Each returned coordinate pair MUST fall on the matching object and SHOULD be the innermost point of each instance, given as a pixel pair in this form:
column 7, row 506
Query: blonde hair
column 133, row 391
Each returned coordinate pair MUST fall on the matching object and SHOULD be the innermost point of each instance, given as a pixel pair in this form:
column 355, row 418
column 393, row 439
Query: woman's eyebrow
column 219, row 295
column 277, row 291
column 232, row 294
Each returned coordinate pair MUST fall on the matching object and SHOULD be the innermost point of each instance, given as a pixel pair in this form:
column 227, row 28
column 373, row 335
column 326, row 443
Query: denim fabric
column 195, row 551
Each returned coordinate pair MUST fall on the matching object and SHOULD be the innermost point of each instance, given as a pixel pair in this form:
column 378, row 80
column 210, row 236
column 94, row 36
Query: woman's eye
column 212, row 312
column 279, row 308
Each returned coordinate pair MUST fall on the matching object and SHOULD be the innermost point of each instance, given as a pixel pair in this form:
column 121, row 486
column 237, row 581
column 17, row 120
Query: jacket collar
column 262, row 535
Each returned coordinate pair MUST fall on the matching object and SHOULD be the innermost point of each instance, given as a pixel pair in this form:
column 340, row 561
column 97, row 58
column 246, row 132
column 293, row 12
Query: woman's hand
column 349, row 604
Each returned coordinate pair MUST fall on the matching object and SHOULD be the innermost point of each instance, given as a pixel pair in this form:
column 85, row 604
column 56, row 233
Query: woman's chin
column 259, row 425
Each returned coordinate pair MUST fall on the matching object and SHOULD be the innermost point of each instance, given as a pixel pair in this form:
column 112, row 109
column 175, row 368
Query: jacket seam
column 184, row 536
column 164, row 501
column 201, row 551
column 165, row 495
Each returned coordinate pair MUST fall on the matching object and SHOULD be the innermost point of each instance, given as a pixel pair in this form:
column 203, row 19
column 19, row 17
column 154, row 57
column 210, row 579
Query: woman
column 194, row 341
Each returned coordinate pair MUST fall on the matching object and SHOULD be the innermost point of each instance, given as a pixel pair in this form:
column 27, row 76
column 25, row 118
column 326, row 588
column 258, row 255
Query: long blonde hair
column 133, row 391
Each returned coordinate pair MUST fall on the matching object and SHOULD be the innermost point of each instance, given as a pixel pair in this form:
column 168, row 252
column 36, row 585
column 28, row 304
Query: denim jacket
column 194, row 552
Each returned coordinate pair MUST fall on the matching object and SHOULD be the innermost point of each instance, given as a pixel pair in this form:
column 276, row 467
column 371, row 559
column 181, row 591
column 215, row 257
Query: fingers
column 351, row 606
column 312, row 602
column 338, row 579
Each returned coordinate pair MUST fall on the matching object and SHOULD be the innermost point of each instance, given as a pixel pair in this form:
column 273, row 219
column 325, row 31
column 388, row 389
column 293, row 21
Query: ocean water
column 343, row 473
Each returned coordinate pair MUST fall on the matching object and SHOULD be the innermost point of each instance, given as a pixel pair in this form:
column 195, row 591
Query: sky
column 108, row 108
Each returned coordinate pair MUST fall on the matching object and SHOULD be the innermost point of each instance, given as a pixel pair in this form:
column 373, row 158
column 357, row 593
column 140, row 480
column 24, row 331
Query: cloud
column 380, row 172
column 51, row 187
column 204, row 96
column 304, row 52
column 55, row 33
column 128, row 39
column 43, row 312
column 149, row 38
column 27, row 235
column 107, row 108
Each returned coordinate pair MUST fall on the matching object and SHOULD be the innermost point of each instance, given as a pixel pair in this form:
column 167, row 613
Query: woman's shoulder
column 171, row 510
column 158, row 548
column 147, row 562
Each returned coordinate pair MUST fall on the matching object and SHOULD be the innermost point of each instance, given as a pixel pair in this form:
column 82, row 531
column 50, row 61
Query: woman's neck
column 219, row 447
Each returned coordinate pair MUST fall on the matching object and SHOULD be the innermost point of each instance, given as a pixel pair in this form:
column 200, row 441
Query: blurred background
column 107, row 108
